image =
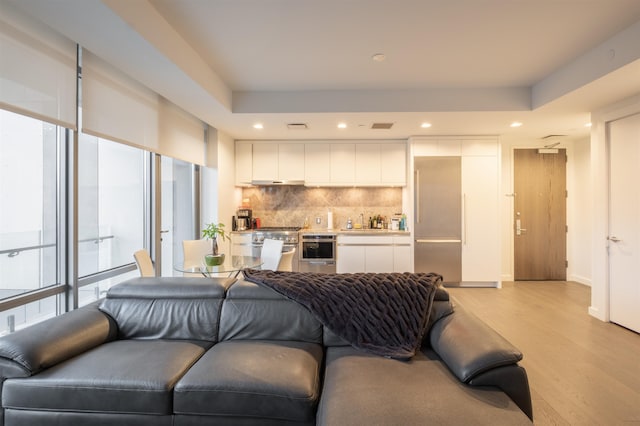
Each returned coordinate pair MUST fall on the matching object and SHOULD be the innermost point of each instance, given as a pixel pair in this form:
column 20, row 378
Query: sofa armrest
column 50, row 342
column 468, row 346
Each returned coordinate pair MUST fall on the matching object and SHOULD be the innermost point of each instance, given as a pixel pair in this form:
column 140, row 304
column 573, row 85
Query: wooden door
column 624, row 228
column 540, row 231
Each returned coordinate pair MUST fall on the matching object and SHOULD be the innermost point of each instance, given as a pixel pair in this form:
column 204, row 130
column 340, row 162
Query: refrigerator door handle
column 417, row 195
column 464, row 219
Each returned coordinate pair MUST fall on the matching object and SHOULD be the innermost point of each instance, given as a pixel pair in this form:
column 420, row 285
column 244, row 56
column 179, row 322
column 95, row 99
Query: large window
column 112, row 207
column 29, row 232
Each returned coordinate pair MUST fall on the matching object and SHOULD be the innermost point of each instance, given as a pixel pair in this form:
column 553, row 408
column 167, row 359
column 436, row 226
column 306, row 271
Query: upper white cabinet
column 317, row 159
column 291, row 161
column 244, row 163
column 343, row 159
column 269, row 161
column 323, row 164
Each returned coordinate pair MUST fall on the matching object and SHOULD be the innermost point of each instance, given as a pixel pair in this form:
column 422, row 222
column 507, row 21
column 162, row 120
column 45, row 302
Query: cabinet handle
column 417, row 195
column 464, row 219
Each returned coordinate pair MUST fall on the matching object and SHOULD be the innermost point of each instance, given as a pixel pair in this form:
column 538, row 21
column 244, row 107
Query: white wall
column 219, row 198
column 579, row 212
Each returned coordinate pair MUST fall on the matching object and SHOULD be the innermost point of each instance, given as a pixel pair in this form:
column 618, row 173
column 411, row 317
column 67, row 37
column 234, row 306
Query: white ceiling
column 465, row 66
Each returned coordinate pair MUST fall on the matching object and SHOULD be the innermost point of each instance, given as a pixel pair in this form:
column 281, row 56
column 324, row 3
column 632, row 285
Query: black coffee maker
column 244, row 220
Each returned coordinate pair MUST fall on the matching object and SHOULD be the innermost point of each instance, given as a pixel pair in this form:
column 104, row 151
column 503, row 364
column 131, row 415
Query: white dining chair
column 286, row 261
column 271, row 254
column 144, row 263
column 194, row 252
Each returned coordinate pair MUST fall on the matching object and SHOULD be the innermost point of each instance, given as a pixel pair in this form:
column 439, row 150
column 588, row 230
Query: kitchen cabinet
column 241, row 244
column 322, row 164
column 480, row 217
column 265, row 161
column 373, row 253
column 278, row 162
column 368, row 163
column 317, row 160
column 244, row 163
column 343, row 159
column 291, row 161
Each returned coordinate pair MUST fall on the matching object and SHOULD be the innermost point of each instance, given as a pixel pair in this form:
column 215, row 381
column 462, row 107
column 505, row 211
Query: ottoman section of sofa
column 123, row 376
column 270, row 380
column 361, row 389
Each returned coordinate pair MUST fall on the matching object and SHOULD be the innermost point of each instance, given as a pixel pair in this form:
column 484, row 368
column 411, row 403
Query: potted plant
column 211, row 232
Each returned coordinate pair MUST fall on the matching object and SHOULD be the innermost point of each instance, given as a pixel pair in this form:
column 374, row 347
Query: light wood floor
column 582, row 371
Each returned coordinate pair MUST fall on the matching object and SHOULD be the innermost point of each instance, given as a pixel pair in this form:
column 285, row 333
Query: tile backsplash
column 290, row 205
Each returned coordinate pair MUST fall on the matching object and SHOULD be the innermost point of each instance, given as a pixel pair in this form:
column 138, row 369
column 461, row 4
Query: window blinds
column 37, row 70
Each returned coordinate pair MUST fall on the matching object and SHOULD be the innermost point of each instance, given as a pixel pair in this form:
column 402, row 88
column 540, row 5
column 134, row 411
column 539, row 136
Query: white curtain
column 119, row 108
column 37, row 69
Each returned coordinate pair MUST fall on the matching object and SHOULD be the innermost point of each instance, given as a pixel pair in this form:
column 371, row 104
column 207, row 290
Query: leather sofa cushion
column 273, row 380
column 131, row 376
column 166, row 308
column 362, row 389
column 252, row 312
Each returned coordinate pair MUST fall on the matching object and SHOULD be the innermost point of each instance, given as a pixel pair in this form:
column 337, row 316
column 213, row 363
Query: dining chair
column 271, row 254
column 194, row 252
column 144, row 263
column 286, row 261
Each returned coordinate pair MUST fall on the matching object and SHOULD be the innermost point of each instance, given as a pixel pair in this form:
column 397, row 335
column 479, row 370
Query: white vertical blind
column 37, row 69
column 116, row 107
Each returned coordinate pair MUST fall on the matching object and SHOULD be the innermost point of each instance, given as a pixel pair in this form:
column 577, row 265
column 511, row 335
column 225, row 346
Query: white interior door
column 624, row 222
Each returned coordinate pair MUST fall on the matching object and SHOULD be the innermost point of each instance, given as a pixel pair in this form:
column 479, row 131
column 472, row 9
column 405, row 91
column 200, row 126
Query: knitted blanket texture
column 381, row 313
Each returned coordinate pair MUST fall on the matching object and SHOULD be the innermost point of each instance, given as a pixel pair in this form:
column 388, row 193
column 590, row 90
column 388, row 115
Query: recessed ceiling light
column 342, row 125
column 425, row 125
column 516, row 124
column 258, row 126
column 587, row 125
column 379, row 57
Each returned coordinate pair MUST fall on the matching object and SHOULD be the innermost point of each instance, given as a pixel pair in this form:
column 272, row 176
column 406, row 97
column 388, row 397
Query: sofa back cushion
column 181, row 308
column 252, row 312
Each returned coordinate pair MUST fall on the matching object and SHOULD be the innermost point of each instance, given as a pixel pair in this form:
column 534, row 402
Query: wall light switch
column 318, row 220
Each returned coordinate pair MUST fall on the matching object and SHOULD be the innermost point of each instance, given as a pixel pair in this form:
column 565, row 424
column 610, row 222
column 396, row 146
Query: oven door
column 317, row 247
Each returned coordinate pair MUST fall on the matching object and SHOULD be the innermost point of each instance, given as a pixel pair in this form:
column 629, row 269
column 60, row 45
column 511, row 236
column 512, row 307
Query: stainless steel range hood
column 276, row 182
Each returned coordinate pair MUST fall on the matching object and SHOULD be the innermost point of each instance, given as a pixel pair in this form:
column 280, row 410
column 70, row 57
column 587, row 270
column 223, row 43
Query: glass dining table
column 231, row 266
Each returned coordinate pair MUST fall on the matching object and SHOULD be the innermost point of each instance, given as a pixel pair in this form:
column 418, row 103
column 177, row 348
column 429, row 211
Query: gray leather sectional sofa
column 197, row 351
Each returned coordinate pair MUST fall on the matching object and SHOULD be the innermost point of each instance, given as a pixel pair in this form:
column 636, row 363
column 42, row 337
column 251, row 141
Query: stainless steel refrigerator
column 437, row 217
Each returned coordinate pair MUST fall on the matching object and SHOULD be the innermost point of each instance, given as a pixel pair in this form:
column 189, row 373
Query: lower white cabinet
column 241, row 244
column 373, row 253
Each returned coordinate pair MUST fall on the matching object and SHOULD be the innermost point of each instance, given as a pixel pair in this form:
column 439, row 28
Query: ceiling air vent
column 297, row 126
column 553, row 136
column 382, row 125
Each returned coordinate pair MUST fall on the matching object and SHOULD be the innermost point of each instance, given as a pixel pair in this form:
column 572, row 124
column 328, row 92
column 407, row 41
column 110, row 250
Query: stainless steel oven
column 317, row 253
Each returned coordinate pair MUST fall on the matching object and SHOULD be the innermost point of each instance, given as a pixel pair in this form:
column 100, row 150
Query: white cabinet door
column 393, row 164
column 378, row 258
column 244, row 163
column 402, row 254
column 265, row 161
column 291, row 161
column 343, row 160
column 367, row 163
column 480, row 219
column 350, row 259
column 317, row 164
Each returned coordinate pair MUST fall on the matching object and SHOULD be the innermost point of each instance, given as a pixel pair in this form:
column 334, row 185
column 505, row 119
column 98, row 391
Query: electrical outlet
column 318, row 220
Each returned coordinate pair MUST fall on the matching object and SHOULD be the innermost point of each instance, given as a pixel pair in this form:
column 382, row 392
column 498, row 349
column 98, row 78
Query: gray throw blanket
column 383, row 313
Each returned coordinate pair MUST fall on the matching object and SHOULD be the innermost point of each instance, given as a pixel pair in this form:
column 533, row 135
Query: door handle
column 519, row 228
column 614, row 239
